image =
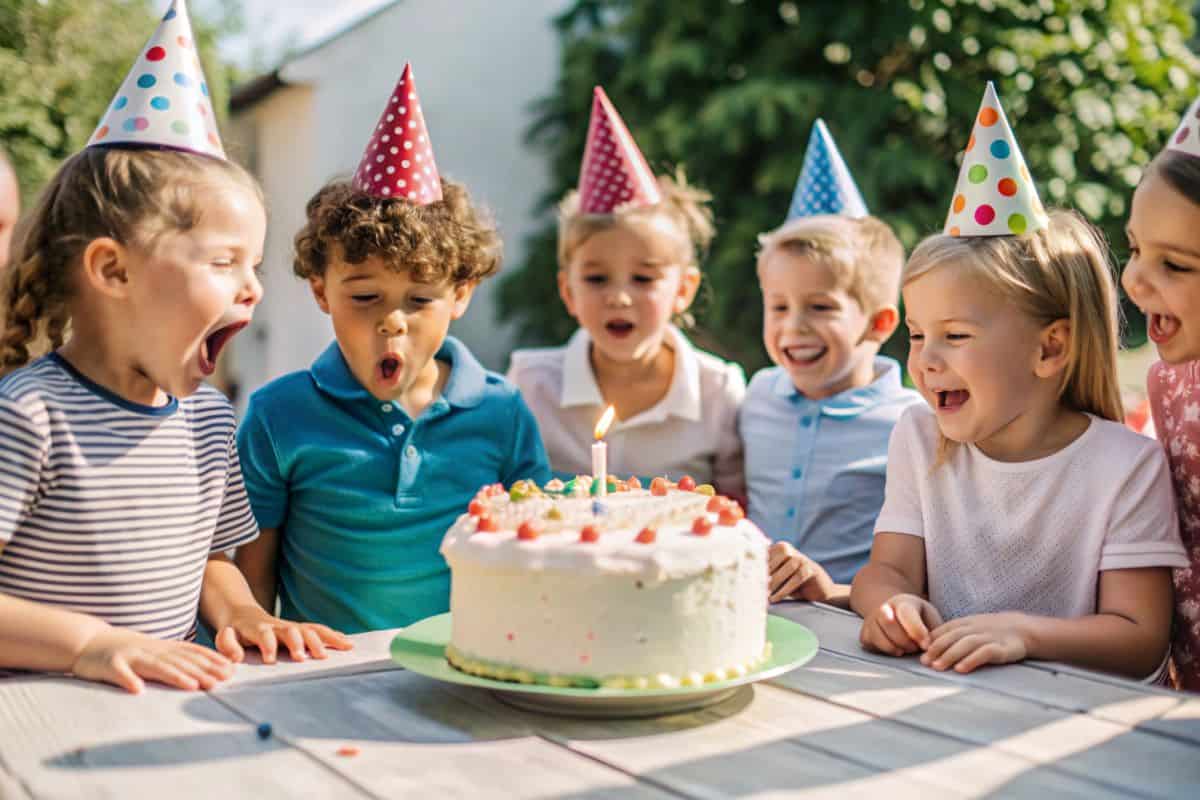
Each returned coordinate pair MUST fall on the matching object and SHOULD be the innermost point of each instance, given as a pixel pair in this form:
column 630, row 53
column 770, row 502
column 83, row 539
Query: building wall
column 479, row 66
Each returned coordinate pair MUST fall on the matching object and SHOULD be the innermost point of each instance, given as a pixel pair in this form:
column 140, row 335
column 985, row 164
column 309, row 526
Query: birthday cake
column 637, row 588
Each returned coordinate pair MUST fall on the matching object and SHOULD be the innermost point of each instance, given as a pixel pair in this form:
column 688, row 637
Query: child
column 119, row 484
column 358, row 466
column 816, row 426
column 10, row 206
column 996, row 518
column 1163, row 279
column 627, row 255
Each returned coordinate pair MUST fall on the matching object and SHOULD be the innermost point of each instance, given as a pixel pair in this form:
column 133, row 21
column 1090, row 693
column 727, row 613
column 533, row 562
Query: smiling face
column 814, row 329
column 988, row 370
column 1163, row 273
column 389, row 327
column 191, row 291
column 623, row 284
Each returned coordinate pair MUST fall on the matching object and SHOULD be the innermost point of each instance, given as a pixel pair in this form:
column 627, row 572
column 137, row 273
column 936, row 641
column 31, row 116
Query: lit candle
column 600, row 451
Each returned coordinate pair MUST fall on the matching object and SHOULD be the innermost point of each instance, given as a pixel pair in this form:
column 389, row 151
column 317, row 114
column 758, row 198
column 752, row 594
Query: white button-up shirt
column 691, row 431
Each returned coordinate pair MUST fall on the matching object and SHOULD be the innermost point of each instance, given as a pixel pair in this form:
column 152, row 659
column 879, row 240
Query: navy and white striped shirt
column 112, row 508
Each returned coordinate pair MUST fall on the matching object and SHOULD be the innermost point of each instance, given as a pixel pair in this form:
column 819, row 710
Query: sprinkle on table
column 264, row 730
column 348, row 750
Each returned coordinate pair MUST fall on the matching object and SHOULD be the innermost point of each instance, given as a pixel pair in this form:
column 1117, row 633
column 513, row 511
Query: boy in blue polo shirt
column 356, row 467
column 816, row 426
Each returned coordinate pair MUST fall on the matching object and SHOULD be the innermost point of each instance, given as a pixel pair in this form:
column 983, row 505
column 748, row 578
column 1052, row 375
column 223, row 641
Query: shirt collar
column 851, row 402
column 464, row 388
column 682, row 398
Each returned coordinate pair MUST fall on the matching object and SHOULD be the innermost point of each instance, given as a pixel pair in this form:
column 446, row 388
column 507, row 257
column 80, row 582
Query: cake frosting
column 641, row 588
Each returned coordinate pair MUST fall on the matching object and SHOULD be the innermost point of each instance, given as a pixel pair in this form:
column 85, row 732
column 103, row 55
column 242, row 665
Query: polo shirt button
column 397, row 430
column 386, row 408
column 791, row 512
column 806, row 421
column 797, row 472
column 410, row 451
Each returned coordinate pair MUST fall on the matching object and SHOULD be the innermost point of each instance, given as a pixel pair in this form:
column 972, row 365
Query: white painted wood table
column 849, row 724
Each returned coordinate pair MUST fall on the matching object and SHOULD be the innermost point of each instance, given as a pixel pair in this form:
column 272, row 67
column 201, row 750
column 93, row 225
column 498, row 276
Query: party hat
column 825, row 185
column 1187, row 135
column 995, row 195
column 399, row 161
column 614, row 172
column 164, row 100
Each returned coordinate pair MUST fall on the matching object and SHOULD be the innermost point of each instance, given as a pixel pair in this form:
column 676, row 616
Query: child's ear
column 462, row 298
column 105, row 263
column 883, row 324
column 689, row 284
column 317, row 284
column 1055, row 349
column 564, row 291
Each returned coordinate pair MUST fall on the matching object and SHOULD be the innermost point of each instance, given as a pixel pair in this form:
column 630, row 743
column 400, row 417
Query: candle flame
column 606, row 420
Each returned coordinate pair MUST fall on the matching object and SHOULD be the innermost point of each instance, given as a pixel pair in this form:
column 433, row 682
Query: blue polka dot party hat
column 995, row 195
column 1186, row 138
column 825, row 185
column 164, row 101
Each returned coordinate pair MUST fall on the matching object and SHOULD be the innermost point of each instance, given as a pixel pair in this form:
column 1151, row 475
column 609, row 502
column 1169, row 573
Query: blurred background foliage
column 730, row 89
column 61, row 62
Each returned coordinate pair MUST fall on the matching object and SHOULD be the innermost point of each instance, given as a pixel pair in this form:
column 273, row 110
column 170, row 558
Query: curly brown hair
column 450, row 240
column 133, row 195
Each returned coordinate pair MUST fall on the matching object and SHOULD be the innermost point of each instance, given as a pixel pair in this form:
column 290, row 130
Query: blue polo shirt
column 815, row 469
column 362, row 493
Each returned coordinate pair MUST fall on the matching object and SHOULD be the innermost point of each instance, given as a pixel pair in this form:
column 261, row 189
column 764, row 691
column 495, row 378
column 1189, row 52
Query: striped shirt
column 111, row 508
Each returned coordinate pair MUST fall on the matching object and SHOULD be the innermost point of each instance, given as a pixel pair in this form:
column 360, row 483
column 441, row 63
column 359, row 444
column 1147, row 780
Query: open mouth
column 388, row 368
column 619, row 328
column 212, row 345
column 1161, row 327
column 804, row 356
column 952, row 400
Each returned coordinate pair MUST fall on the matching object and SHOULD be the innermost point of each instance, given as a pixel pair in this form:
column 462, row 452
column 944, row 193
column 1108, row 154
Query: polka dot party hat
column 614, row 173
column 164, row 100
column 995, row 195
column 1187, row 136
column 399, row 161
column 825, row 185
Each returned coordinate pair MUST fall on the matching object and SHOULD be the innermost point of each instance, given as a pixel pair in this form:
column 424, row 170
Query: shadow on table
column 192, row 748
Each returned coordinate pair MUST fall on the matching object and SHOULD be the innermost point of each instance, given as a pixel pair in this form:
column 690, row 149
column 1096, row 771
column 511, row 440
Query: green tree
column 730, row 88
column 61, row 62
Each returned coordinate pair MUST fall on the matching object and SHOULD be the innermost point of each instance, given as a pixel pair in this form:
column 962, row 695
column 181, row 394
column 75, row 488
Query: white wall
column 478, row 66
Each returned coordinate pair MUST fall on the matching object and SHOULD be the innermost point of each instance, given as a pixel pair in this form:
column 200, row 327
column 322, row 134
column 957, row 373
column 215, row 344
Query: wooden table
column 849, row 724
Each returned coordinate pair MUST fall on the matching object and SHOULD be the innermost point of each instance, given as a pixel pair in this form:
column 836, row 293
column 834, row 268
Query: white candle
column 600, row 467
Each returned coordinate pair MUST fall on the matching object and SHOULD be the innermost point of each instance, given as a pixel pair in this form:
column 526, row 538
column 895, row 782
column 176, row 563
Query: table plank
column 1149, row 708
column 415, row 736
column 64, row 738
column 371, row 653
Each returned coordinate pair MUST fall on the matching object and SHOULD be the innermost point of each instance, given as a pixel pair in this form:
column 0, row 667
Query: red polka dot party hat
column 614, row 173
column 164, row 101
column 995, row 195
column 398, row 161
column 1186, row 138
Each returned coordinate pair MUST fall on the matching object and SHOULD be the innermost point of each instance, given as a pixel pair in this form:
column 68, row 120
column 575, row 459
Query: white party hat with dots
column 1186, row 138
column 164, row 101
column 995, row 195
column 398, row 161
column 614, row 171
column 825, row 185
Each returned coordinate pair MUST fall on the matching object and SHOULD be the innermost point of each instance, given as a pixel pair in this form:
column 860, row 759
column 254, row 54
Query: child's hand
column 125, row 657
column 794, row 574
column 250, row 625
column 900, row 626
column 970, row 642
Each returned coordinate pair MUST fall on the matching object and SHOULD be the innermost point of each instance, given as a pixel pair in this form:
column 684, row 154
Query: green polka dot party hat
column 995, row 195
column 164, row 101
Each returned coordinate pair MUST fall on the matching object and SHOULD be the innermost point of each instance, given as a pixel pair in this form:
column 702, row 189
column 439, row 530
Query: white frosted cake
column 640, row 588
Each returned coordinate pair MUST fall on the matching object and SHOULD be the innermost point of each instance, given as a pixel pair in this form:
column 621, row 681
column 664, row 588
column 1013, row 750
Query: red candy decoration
column 633, row 482
column 528, row 531
column 589, row 533
column 658, row 487
column 475, row 508
column 716, row 503
column 486, row 525
column 730, row 515
column 701, row 526
column 647, row 535
column 687, row 483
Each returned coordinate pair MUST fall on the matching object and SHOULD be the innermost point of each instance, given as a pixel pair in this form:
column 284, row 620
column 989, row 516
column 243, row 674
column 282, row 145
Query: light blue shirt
column 362, row 493
column 815, row 469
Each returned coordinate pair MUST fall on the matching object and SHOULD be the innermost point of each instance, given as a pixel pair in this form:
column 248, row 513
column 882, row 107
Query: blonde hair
column 131, row 195
column 685, row 205
column 1061, row 272
column 863, row 254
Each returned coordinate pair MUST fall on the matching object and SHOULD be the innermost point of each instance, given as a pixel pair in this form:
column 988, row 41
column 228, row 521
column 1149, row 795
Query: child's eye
column 258, row 269
column 1173, row 267
column 916, row 337
column 421, row 301
column 779, row 309
column 222, row 262
column 822, row 307
column 595, row 280
column 644, row 278
column 957, row 337
column 364, row 298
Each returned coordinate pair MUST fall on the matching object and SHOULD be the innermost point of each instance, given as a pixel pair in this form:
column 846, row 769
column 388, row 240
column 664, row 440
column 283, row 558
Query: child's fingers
column 268, row 645
column 940, row 643
column 989, row 653
column 798, row 578
column 958, row 651
column 293, row 640
column 209, row 663
column 931, row 616
column 159, row 670
column 777, row 554
column 335, row 639
column 123, row 675
column 780, row 575
column 312, row 640
column 876, row 638
column 909, row 618
column 194, row 669
column 228, row 645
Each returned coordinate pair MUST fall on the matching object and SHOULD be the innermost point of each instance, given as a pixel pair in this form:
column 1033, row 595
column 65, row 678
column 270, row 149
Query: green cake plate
column 421, row 648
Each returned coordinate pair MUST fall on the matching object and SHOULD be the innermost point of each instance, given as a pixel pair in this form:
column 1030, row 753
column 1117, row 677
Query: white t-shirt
column 691, row 431
column 1031, row 536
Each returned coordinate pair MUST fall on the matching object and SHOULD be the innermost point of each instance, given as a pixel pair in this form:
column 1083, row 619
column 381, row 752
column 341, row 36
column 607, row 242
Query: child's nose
column 1132, row 279
column 619, row 298
column 394, row 324
column 252, row 291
